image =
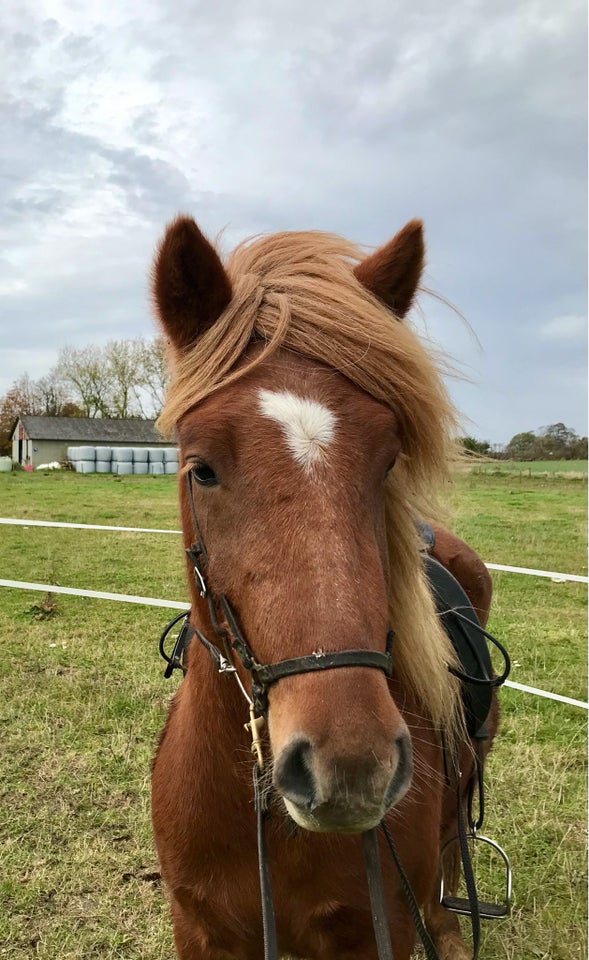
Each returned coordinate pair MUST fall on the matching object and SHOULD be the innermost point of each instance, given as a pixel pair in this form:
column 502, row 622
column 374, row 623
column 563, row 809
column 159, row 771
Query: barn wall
column 19, row 434
column 46, row 451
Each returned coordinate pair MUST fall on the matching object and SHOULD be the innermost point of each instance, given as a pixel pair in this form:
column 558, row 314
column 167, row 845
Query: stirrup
column 488, row 910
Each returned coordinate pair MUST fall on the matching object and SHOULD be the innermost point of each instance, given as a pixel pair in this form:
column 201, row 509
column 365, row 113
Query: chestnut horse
column 314, row 428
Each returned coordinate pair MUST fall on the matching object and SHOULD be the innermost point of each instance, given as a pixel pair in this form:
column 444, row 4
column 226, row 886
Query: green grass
column 82, row 700
column 530, row 468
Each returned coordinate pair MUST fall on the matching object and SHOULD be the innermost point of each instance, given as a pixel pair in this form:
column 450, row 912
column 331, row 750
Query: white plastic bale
column 86, row 453
column 140, row 467
column 156, row 455
column 140, row 455
column 171, row 466
column 85, row 466
column 123, row 455
column 170, row 455
column 103, row 466
column 5, row 464
column 103, row 454
column 73, row 453
column 124, row 467
column 156, row 469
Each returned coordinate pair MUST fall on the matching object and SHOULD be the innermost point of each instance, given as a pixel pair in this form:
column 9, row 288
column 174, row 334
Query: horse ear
column 392, row 273
column 189, row 284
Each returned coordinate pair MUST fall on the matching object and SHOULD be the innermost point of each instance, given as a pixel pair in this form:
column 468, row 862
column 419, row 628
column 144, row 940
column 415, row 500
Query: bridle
column 263, row 675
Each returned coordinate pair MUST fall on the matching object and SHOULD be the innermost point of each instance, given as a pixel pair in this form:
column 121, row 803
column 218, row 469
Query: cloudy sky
column 296, row 114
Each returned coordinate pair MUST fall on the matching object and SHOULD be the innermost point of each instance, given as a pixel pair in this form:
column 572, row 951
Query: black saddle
column 468, row 638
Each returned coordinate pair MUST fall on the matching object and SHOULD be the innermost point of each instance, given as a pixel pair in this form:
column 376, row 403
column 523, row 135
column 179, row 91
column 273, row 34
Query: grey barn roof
column 92, row 430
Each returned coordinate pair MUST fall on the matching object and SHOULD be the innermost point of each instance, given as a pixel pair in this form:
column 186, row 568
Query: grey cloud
column 334, row 117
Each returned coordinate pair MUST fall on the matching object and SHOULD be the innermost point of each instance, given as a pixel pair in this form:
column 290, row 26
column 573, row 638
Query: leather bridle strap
column 264, row 675
column 271, row 672
column 268, row 916
column 428, row 945
column 380, row 922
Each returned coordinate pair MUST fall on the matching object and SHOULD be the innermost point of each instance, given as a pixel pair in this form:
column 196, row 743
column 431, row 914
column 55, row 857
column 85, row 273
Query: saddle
column 478, row 678
column 468, row 638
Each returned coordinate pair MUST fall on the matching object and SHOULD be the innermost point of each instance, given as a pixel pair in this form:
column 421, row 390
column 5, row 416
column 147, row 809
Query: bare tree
column 151, row 389
column 123, row 365
column 53, row 395
column 88, row 377
column 22, row 398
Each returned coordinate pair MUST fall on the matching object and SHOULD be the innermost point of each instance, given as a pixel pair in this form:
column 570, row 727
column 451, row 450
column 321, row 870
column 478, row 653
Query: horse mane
column 297, row 291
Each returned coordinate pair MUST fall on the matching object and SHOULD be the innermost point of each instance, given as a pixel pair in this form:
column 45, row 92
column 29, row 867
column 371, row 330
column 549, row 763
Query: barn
column 37, row 440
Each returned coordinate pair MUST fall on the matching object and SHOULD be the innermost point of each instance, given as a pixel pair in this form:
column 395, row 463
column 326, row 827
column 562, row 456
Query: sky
column 290, row 115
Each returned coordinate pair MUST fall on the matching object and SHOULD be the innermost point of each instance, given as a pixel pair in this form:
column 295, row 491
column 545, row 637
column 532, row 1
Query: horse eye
column 205, row 475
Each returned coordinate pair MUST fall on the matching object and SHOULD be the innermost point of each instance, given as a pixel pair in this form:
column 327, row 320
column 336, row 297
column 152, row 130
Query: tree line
column 122, row 379
column 128, row 378
column 555, row 442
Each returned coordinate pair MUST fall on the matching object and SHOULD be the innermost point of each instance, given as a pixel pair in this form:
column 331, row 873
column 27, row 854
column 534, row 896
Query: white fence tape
column 177, row 605
column 557, row 577
column 544, row 693
column 83, row 526
column 95, row 594
column 551, row 575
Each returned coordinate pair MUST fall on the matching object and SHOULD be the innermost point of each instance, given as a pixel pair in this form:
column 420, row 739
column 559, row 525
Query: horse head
column 303, row 480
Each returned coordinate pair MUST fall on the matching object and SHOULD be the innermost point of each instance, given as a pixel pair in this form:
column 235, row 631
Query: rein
column 263, row 676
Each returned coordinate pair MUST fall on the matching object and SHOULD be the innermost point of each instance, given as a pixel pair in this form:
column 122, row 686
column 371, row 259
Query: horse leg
column 189, row 942
column 348, row 934
column 444, row 929
column 193, row 942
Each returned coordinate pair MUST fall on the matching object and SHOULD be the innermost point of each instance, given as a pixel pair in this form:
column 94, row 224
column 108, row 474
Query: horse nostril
column 402, row 777
column 293, row 777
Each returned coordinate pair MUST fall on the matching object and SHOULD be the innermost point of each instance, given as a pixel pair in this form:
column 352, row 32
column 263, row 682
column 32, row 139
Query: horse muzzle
column 328, row 793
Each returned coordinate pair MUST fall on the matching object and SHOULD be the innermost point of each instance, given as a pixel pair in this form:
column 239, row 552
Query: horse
column 315, row 432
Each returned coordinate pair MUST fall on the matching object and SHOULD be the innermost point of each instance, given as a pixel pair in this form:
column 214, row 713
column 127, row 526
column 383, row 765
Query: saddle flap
column 464, row 630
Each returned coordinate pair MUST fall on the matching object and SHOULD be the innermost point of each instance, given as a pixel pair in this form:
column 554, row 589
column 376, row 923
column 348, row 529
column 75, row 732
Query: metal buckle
column 199, row 580
column 488, row 910
column 193, row 554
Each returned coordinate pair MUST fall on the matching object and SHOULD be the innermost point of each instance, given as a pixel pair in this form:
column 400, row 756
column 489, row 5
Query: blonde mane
column 298, row 291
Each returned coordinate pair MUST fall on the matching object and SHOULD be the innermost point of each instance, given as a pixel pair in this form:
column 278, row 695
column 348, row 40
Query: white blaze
column 308, row 426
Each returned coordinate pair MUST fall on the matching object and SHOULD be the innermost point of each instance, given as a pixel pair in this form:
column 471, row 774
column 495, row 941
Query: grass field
column 523, row 468
column 82, row 700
